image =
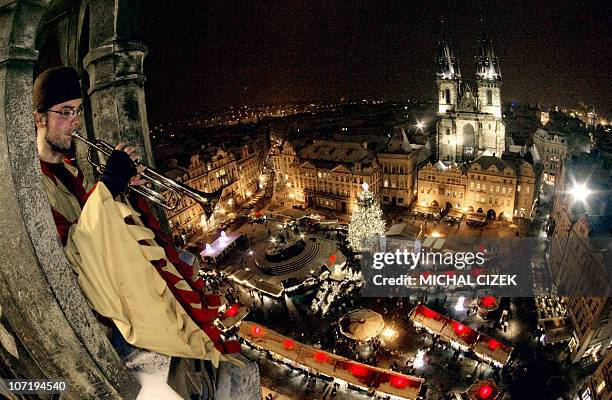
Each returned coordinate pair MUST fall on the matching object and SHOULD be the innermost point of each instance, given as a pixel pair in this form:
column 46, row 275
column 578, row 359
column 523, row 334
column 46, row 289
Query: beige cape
column 115, row 273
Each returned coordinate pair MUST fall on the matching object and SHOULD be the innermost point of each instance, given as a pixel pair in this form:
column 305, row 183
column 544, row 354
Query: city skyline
column 239, row 54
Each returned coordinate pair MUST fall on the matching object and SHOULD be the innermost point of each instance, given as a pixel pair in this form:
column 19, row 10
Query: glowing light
column 459, row 328
column 389, row 332
column 232, row 311
column 249, row 194
column 301, row 236
column 459, row 307
column 580, row 192
column 488, row 301
column 435, row 234
column 256, row 330
column 273, row 240
column 429, row 313
column 332, row 258
column 485, row 391
column 321, row 357
column 208, row 248
column 494, row 344
column 419, row 360
column 288, row 344
column 359, row 370
column 251, row 252
column 399, row 382
column 365, row 186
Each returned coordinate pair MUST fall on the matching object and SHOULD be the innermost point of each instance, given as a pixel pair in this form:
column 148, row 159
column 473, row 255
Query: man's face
column 59, row 129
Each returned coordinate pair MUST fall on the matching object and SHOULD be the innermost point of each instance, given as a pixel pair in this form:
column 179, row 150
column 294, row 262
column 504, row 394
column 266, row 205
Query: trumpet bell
column 208, row 201
column 169, row 192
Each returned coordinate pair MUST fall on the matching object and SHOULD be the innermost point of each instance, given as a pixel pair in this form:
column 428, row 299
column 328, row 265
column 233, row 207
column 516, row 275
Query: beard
column 58, row 146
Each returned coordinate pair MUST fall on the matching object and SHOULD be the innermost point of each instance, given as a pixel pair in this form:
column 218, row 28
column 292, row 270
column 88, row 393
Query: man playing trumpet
column 126, row 266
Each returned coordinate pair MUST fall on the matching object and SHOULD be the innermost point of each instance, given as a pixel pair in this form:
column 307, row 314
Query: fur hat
column 54, row 86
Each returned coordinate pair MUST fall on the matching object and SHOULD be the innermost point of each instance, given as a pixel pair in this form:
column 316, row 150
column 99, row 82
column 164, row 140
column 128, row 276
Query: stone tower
column 448, row 77
column 488, row 77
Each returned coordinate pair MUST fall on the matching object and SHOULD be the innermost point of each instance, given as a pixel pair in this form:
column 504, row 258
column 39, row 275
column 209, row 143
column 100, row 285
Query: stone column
column 117, row 98
column 117, row 93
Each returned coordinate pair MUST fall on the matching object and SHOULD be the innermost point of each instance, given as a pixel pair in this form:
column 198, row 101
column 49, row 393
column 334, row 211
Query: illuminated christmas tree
column 367, row 223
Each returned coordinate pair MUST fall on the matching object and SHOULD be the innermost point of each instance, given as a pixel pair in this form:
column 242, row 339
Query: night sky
column 210, row 55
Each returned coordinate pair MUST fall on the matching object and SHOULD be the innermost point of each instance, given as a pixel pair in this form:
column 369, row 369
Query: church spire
column 447, row 64
column 487, row 63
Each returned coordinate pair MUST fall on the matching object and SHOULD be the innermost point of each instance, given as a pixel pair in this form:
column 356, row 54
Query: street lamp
column 389, row 333
column 580, row 192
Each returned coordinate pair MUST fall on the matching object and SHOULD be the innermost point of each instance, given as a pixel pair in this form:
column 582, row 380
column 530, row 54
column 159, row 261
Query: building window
column 518, row 188
column 447, row 96
column 489, row 97
column 600, row 387
column 400, row 200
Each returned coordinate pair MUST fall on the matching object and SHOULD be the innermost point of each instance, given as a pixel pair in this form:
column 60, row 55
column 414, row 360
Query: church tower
column 448, row 77
column 470, row 121
column 488, row 77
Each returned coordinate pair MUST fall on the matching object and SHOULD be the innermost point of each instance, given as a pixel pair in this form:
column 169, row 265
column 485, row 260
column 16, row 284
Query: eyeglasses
column 68, row 112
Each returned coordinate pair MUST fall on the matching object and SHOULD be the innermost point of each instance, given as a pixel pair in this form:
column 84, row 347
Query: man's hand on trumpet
column 121, row 170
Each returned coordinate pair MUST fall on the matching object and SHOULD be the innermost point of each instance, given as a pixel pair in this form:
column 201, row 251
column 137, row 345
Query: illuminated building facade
column 490, row 185
column 470, row 122
column 237, row 171
column 552, row 147
column 598, row 386
column 329, row 174
column 578, row 253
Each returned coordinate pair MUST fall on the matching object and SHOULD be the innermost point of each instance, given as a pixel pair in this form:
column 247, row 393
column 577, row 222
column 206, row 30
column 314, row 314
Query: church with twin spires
column 470, row 120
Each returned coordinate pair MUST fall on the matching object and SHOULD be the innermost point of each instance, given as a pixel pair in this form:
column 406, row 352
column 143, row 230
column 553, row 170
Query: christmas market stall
column 430, row 320
column 492, row 351
column 486, row 305
column 460, row 335
column 345, row 372
column 483, row 390
column 223, row 245
column 362, row 324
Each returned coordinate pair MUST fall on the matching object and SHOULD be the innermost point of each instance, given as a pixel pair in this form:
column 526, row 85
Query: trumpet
column 174, row 190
